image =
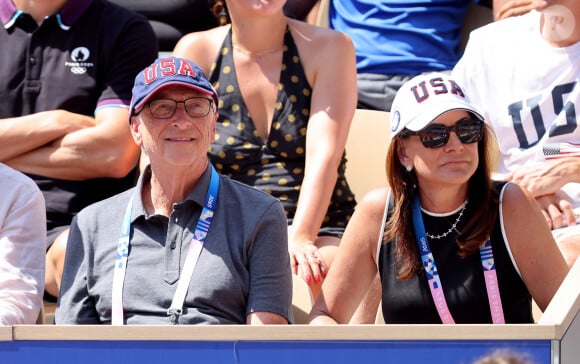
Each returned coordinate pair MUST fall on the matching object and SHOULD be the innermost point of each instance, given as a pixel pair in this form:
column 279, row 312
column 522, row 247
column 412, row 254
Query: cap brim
column 439, row 109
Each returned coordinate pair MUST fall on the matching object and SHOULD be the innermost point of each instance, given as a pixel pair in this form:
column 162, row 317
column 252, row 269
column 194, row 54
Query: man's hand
column 69, row 121
column 544, row 182
column 26, row 134
column 104, row 140
column 557, row 210
column 507, row 8
column 545, row 178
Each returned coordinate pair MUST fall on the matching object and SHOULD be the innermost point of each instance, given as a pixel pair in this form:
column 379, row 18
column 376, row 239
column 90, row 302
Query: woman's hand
column 307, row 262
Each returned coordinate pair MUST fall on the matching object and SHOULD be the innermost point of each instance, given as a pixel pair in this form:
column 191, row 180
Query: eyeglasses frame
column 210, row 108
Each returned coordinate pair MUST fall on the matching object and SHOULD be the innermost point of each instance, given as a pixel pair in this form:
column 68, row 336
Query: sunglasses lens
column 434, row 136
column 437, row 135
column 469, row 131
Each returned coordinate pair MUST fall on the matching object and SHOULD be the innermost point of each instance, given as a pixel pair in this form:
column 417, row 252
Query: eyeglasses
column 437, row 135
column 196, row 107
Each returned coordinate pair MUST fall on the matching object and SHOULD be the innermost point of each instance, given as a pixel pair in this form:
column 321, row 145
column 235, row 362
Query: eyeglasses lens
column 165, row 108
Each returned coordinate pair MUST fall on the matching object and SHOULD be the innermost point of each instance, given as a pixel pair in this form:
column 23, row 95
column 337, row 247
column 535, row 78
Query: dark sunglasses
column 437, row 135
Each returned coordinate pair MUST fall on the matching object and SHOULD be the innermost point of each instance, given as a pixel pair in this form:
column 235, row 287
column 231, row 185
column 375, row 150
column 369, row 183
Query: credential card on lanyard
column 488, row 266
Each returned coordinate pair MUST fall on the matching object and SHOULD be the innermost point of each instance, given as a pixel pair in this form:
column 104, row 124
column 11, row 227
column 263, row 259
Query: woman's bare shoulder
column 317, row 37
column 324, row 53
column 201, row 47
column 514, row 197
column 373, row 202
column 365, row 224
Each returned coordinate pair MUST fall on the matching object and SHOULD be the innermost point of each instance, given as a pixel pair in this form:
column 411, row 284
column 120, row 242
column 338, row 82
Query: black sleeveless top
column 410, row 301
column 277, row 165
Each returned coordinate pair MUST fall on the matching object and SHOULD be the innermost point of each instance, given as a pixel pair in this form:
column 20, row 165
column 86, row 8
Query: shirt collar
column 67, row 15
column 197, row 195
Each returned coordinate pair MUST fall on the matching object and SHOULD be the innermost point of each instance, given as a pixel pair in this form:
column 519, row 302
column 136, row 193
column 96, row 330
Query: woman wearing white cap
column 450, row 246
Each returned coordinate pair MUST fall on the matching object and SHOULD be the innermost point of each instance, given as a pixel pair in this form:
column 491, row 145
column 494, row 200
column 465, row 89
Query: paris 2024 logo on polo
column 78, row 64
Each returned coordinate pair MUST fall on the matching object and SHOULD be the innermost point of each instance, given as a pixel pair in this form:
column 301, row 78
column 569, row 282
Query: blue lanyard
column 196, row 245
column 488, row 266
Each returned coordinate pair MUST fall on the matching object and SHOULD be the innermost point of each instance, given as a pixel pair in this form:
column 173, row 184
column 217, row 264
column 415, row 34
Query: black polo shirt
column 81, row 59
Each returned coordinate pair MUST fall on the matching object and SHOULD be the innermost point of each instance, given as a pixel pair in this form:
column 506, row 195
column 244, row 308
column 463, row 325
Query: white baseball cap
column 424, row 98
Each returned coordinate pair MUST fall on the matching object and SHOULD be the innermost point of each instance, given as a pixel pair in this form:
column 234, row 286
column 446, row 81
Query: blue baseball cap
column 165, row 72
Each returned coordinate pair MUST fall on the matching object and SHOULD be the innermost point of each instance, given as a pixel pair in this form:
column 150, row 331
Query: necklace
column 257, row 54
column 453, row 227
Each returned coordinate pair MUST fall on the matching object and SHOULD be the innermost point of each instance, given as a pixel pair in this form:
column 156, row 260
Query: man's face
column 170, row 134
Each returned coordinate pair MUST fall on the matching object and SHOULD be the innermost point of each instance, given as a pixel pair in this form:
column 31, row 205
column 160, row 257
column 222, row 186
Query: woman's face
column 452, row 164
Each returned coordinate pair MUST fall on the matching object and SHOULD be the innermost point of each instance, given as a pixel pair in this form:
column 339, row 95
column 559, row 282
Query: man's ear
column 214, row 127
column 135, row 127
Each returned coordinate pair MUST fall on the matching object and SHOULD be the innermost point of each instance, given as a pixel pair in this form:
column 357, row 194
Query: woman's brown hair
column 483, row 201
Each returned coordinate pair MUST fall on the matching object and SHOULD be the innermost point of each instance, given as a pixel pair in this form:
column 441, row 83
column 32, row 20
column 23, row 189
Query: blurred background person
column 523, row 74
column 65, row 98
column 396, row 40
column 22, row 248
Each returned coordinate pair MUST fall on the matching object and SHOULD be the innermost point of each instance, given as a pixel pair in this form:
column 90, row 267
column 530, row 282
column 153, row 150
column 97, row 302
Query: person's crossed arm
column 544, row 182
column 64, row 145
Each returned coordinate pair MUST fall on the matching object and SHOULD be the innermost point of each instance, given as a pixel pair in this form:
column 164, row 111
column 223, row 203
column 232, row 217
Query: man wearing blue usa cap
column 186, row 245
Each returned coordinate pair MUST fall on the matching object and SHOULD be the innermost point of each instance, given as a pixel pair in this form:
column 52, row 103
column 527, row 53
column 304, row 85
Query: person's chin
column 184, row 159
column 457, row 175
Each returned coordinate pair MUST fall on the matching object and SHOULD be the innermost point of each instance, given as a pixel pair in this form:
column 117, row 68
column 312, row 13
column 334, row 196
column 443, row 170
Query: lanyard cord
column 193, row 253
column 434, row 281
